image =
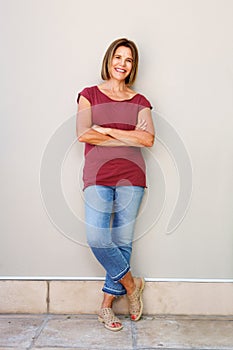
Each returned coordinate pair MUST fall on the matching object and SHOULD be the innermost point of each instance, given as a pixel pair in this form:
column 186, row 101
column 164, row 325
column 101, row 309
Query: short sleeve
column 144, row 103
column 85, row 93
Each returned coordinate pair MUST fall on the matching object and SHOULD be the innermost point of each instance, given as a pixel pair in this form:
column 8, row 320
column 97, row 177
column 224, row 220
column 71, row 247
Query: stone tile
column 192, row 333
column 23, row 297
column 73, row 331
column 6, row 348
column 177, row 298
column 18, row 332
column 70, row 297
column 10, row 348
column 56, row 348
column 186, row 298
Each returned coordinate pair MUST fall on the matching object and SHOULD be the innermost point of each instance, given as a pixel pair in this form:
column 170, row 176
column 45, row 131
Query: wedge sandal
column 135, row 300
column 107, row 316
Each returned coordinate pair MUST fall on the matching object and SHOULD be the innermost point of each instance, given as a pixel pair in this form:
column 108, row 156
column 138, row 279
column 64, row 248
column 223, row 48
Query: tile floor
column 67, row 332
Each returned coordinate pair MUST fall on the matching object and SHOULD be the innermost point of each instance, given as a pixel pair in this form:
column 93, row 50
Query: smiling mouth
column 120, row 70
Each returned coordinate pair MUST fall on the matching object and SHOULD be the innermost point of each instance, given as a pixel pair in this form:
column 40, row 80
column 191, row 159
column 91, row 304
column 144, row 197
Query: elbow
column 84, row 135
column 150, row 141
column 81, row 138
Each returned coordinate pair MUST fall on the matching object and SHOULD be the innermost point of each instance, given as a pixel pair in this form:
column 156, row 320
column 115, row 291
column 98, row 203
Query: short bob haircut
column 130, row 79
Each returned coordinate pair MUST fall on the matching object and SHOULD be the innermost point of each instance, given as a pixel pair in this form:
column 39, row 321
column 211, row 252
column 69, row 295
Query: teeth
column 120, row 70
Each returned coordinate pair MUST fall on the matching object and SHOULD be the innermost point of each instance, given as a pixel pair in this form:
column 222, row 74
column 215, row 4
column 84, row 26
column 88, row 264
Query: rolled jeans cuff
column 113, row 291
column 118, row 277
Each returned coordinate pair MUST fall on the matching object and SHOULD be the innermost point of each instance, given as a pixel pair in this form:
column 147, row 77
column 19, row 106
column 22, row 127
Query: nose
column 123, row 62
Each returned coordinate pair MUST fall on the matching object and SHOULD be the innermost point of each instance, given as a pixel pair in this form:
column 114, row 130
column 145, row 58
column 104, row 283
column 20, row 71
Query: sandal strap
column 135, row 304
column 108, row 316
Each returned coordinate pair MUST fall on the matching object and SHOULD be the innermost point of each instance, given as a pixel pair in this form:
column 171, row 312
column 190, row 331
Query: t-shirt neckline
column 128, row 99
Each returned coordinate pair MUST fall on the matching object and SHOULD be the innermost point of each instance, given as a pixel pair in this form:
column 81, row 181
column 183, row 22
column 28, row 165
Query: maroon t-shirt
column 114, row 166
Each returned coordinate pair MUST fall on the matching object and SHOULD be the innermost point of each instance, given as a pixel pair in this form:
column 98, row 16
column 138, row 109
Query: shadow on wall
column 71, row 222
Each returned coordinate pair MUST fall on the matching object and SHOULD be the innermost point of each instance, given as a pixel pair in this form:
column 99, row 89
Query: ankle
column 128, row 282
column 106, row 305
column 107, row 302
column 131, row 289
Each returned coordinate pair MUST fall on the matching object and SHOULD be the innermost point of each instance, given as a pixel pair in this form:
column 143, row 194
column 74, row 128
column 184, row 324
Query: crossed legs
column 110, row 219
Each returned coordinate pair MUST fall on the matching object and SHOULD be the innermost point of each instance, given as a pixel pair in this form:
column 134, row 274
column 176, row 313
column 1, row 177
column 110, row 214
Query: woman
column 114, row 122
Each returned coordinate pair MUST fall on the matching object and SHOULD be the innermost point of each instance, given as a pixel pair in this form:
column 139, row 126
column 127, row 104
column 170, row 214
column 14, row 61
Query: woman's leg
column 99, row 202
column 126, row 204
column 113, row 255
column 98, row 208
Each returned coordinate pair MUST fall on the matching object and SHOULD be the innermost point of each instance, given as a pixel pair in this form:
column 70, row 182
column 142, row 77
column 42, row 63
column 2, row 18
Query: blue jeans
column 110, row 214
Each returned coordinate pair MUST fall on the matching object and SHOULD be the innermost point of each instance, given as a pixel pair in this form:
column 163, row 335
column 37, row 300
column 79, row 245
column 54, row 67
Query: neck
column 115, row 85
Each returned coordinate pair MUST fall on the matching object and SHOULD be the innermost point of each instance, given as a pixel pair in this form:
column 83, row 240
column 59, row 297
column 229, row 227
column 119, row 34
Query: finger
column 142, row 122
column 142, row 125
column 94, row 126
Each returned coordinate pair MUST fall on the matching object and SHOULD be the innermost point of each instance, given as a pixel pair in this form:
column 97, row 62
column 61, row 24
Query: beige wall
column 51, row 49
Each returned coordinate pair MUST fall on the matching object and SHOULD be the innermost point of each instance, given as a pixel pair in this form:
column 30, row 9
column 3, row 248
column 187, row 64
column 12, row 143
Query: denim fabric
column 110, row 213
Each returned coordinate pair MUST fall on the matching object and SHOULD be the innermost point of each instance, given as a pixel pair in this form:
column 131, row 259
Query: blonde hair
column 130, row 79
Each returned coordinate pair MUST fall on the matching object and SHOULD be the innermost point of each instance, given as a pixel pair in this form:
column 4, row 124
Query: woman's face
column 122, row 63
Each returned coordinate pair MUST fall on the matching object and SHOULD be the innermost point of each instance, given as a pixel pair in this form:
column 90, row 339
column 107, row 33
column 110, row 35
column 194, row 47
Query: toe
column 116, row 324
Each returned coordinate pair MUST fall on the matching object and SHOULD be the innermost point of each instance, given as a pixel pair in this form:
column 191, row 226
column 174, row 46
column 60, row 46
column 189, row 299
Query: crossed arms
column 142, row 136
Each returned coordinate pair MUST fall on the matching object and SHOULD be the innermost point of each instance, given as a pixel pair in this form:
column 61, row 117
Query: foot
column 111, row 322
column 135, row 299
